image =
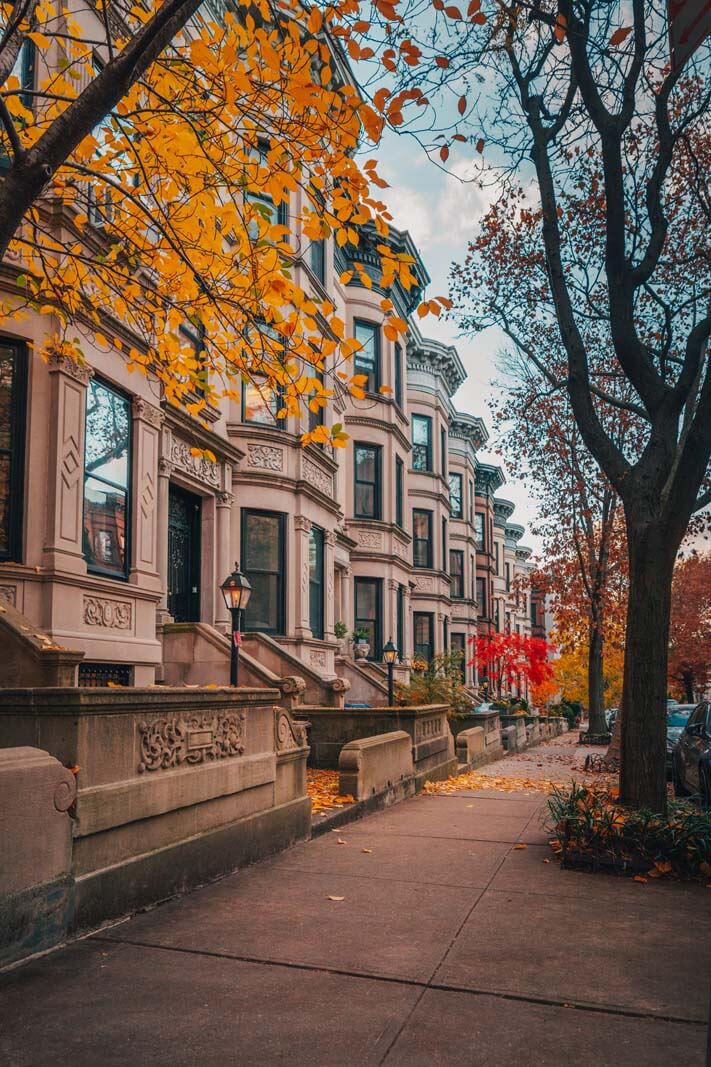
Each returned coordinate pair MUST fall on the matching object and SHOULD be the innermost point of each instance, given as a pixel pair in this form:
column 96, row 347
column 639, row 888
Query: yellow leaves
column 204, row 453
column 520, row 845
column 39, row 39
column 620, row 35
column 639, row 878
column 367, row 850
column 322, row 788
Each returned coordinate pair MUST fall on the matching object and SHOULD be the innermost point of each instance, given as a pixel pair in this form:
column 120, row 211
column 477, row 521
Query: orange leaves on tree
column 560, row 29
column 442, row 62
column 620, row 35
column 462, row 105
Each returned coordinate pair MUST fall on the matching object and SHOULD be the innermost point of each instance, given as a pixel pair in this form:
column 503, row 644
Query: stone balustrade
column 372, row 765
column 471, row 747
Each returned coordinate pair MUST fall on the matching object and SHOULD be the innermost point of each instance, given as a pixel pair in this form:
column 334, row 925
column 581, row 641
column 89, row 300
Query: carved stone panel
column 426, row 729
column 289, row 735
column 196, row 466
column 320, row 479
column 265, row 457
column 8, row 595
column 317, row 659
column 424, row 585
column 169, row 743
column 370, row 538
column 114, row 614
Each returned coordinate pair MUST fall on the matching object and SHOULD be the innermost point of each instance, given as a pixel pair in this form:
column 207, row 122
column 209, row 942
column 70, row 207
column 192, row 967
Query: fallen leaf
column 336, row 898
column 546, row 861
column 640, row 878
column 366, row 850
column 520, row 845
column 341, row 841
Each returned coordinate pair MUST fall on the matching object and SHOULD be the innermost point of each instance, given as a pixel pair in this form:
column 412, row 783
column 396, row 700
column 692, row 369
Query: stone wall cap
column 71, row 700
column 377, row 739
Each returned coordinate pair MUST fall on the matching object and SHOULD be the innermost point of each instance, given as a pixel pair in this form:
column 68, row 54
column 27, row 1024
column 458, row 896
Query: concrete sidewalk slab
column 397, row 857
column 108, row 1005
column 643, row 952
column 484, row 1031
column 400, row 930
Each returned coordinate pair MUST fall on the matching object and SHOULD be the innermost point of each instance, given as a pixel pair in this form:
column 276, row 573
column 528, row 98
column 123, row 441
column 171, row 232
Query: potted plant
column 361, row 647
column 341, row 631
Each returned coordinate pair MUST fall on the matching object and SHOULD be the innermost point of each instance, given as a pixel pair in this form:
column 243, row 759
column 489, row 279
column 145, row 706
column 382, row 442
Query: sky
column 440, row 209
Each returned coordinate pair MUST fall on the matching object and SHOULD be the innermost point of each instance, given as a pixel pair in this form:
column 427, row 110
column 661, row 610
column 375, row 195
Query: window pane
column 107, row 435
column 365, row 464
column 4, row 505
column 366, row 359
column 420, row 430
column 421, row 524
column 7, row 373
column 262, row 551
column 365, row 501
column 263, row 539
column 260, row 403
column 104, row 526
column 263, row 609
column 455, row 495
column 479, row 530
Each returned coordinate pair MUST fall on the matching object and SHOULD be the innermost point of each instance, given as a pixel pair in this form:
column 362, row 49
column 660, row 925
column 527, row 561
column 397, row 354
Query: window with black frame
column 398, row 374
column 457, row 642
column 317, row 259
column 507, row 571
column 444, row 545
column 13, row 401
column 456, row 572
column 471, row 502
column 443, row 451
column 264, row 563
column 401, row 621
column 421, row 538
column 107, row 476
column 368, row 613
column 195, row 338
column 481, row 596
column 421, row 443
column 455, row 496
column 367, row 359
column 399, row 491
column 367, row 503
column 479, row 531
column 423, row 635
column 316, row 583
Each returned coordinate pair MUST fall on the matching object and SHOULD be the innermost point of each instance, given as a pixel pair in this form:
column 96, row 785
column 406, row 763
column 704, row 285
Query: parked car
column 691, row 759
column 677, row 719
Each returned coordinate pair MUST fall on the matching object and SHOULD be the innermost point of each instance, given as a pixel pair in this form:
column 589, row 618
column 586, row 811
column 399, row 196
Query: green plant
column 340, row 630
column 439, row 683
column 361, row 635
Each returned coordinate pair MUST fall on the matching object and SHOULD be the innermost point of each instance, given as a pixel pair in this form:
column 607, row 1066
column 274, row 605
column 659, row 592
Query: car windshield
column 679, row 716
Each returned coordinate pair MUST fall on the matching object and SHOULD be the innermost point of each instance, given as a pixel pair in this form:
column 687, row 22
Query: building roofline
column 469, row 427
column 424, row 353
column 493, row 476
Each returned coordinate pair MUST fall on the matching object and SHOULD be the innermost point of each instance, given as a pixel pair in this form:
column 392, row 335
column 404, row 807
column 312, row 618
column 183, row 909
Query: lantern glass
column 236, row 590
column 390, row 653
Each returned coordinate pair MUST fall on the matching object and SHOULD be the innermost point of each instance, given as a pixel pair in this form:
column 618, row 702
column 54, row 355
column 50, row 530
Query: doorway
column 184, row 515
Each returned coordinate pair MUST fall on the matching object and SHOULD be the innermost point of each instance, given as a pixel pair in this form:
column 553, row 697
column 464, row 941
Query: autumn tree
column 507, row 659
column 583, row 568
column 690, row 631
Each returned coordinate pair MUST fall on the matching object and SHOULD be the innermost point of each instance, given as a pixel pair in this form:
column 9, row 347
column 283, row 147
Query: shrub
column 439, row 683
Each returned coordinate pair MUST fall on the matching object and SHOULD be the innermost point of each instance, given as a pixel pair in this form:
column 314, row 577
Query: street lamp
column 390, row 655
column 236, row 590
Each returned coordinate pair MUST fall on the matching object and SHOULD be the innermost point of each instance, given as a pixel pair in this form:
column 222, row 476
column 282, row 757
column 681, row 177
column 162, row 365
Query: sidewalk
column 421, row 936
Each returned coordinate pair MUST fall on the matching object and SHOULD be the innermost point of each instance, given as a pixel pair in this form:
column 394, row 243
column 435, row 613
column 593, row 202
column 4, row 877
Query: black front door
column 184, row 555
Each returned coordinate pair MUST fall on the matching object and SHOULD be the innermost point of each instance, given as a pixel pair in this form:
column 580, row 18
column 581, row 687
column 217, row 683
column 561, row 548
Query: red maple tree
column 690, row 631
column 509, row 658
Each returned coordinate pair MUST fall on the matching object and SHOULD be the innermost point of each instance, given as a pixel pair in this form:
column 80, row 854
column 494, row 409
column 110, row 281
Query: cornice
column 434, row 357
column 379, row 424
column 489, row 477
column 469, row 428
column 503, row 510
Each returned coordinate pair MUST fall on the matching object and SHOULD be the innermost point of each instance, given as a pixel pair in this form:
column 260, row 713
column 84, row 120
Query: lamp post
column 390, row 655
column 236, row 590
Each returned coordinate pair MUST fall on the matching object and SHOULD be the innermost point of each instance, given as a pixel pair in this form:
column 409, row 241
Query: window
column 471, row 503
column 423, row 626
column 445, row 634
column 455, row 496
column 264, row 563
column 400, row 610
column 195, row 337
column 316, row 586
column 443, row 452
column 399, row 491
column 275, row 216
column 13, row 397
column 368, row 612
column 472, row 571
column 367, row 481
column 317, row 259
column 444, row 545
column 456, row 572
column 421, row 443
column 496, row 557
column 534, row 621
column 481, row 596
column 458, row 644
column 479, row 531
column 398, row 374
column 315, row 418
column 107, row 468
column 497, row 615
column 367, row 359
column 507, row 568
column 422, row 538
column 261, row 402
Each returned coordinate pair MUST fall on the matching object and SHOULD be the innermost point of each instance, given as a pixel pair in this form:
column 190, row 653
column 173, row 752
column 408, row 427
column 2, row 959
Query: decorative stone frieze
column 426, row 729
column 168, row 743
column 370, row 539
column 57, row 363
column 302, row 524
column 8, row 594
column 265, row 457
column 321, row 480
column 289, row 735
column 196, row 466
column 424, row 585
column 114, row 614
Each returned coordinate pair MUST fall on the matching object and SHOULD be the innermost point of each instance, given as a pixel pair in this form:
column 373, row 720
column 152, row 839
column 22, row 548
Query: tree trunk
column 596, row 684
column 652, row 551
column 687, row 678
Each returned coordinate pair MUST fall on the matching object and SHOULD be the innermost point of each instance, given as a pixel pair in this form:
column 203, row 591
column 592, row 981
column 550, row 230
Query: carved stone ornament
column 165, row 468
column 115, row 614
column 8, row 594
column 427, row 729
column 424, row 585
column 197, row 466
column 370, row 538
column 289, row 735
column 64, row 365
column 265, row 457
column 224, row 500
column 317, row 659
column 315, row 476
column 169, row 743
column 291, row 684
column 302, row 524
column 141, row 409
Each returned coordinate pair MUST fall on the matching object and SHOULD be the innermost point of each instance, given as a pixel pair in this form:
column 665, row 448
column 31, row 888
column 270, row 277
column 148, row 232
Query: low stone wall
column 491, row 723
column 471, row 747
column 36, row 793
column 175, row 786
column 372, row 765
column 431, row 739
column 518, row 723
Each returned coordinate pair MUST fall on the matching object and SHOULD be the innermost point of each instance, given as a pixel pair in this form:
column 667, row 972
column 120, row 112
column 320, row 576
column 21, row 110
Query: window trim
column 444, row 466
column 399, row 493
column 128, row 489
column 321, row 583
column 480, row 542
column 377, row 371
column 16, row 450
column 416, row 540
column 453, row 574
column 417, row 417
column 452, row 513
column 377, row 483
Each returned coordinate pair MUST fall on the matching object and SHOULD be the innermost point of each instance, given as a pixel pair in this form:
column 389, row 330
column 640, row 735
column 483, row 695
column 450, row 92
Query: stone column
column 65, row 478
column 147, row 422
column 391, row 612
column 165, row 469
column 302, row 529
column 329, row 567
column 346, row 599
column 223, row 555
